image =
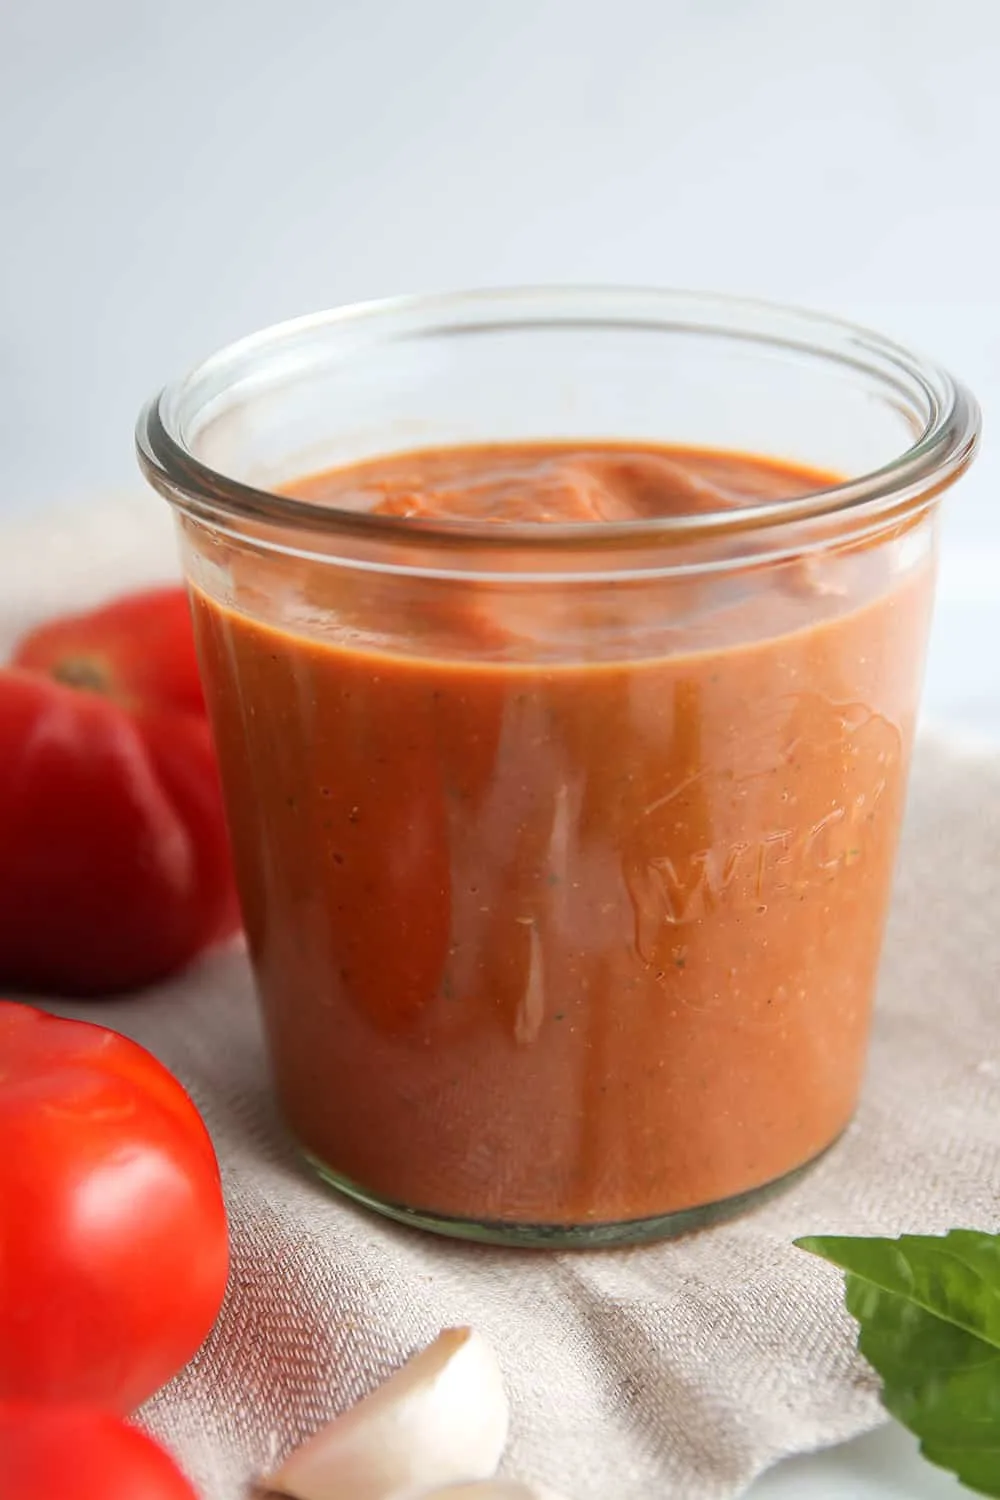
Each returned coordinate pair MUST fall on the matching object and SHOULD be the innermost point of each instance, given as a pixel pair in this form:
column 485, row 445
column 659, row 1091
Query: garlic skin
column 492, row 1489
column 440, row 1420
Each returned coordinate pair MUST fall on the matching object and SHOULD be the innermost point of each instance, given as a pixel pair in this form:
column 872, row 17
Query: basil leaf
column 928, row 1308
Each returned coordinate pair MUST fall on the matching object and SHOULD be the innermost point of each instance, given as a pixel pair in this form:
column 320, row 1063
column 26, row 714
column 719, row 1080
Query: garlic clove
column 492, row 1489
column 441, row 1419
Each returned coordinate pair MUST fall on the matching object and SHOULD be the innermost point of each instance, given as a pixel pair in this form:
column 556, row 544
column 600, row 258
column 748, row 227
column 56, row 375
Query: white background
column 174, row 175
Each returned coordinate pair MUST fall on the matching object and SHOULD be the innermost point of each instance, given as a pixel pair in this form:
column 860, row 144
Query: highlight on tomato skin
column 115, row 1235
column 110, row 799
column 82, row 1453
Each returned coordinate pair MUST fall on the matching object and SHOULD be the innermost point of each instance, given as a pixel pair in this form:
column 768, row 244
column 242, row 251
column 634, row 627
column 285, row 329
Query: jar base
column 595, row 1236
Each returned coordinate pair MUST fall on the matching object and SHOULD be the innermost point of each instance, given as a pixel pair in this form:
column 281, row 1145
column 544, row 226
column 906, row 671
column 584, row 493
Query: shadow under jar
column 564, row 779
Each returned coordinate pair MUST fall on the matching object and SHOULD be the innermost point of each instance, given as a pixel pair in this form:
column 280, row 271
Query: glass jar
column 564, row 851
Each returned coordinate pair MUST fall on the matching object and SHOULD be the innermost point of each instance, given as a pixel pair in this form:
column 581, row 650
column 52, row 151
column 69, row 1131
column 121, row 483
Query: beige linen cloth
column 679, row 1370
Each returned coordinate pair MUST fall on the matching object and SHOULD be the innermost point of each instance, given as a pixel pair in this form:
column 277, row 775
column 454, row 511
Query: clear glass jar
column 564, row 851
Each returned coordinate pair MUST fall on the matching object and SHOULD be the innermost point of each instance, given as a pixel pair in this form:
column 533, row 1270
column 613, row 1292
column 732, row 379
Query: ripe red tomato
column 109, row 795
column 137, row 649
column 113, row 1242
column 77, row 1453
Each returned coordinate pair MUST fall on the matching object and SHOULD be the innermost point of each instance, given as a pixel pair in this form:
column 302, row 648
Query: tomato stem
column 81, row 672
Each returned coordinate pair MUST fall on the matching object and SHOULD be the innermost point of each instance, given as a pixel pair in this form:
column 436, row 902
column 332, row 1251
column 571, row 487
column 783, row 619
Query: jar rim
column 941, row 451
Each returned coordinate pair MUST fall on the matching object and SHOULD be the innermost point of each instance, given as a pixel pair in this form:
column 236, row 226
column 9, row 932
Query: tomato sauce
column 570, row 935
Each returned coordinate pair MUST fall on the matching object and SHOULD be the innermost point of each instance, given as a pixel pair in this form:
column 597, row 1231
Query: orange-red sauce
column 559, row 938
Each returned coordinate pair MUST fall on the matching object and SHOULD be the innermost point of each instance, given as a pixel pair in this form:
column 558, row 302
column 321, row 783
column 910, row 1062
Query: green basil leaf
column 928, row 1309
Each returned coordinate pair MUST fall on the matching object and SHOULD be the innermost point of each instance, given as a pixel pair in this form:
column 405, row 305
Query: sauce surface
column 557, row 483
column 567, row 910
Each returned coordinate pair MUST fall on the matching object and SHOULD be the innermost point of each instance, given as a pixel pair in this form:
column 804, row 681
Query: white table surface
column 177, row 174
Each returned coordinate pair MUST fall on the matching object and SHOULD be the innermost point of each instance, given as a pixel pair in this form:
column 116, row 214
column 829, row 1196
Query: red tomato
column 113, row 1242
column 138, row 649
column 117, row 869
column 77, row 1453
